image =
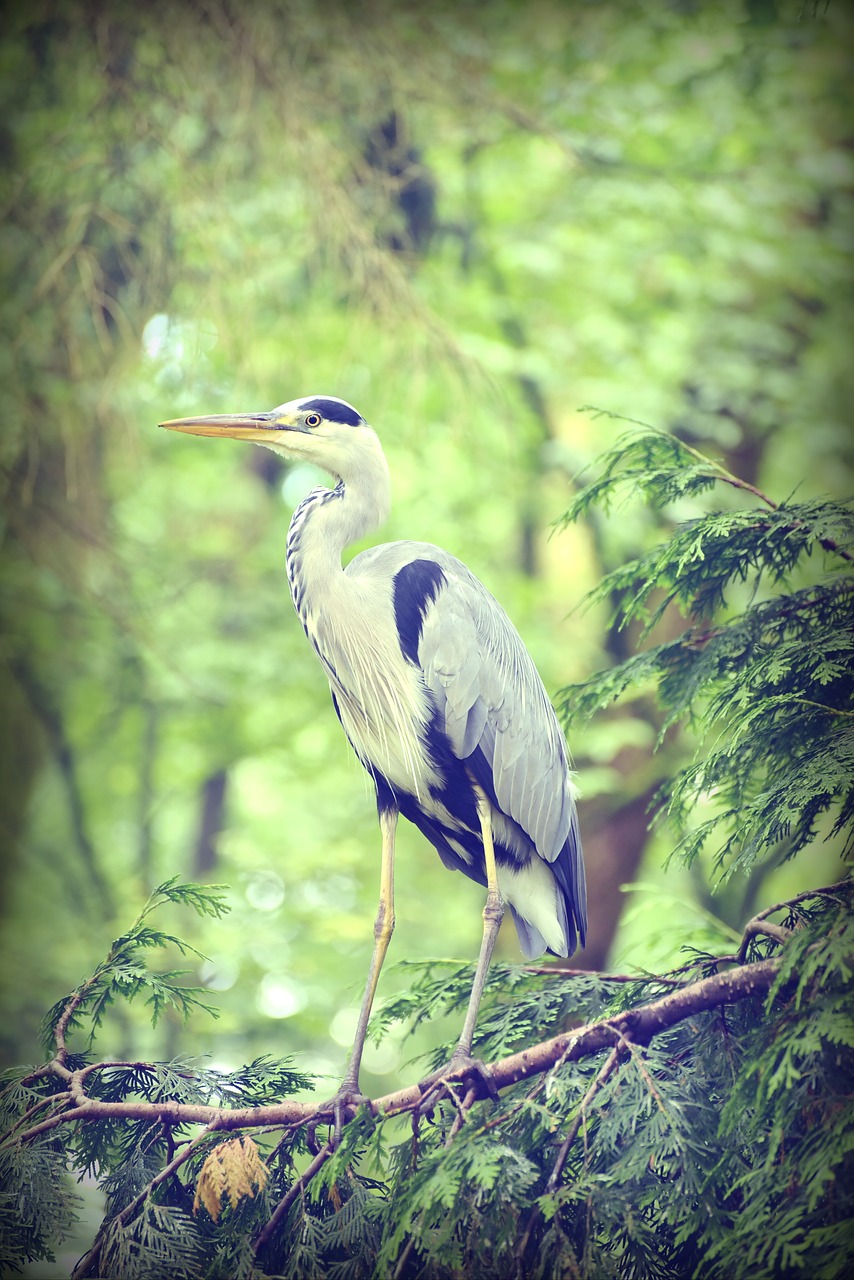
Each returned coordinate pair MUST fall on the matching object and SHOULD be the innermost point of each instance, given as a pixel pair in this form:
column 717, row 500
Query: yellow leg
column 383, row 929
column 493, row 913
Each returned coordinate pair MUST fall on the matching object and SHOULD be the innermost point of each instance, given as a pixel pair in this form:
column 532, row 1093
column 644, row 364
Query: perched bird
column 436, row 692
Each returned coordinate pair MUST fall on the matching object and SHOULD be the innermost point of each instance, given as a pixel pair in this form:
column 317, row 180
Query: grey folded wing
column 497, row 715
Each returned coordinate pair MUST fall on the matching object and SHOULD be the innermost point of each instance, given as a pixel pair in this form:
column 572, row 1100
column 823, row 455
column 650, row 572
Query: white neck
column 329, row 520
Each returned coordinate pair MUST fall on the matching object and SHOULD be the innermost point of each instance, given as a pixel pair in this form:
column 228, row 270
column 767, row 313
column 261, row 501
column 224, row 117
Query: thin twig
column 514, row 1110
column 736, row 482
column 828, row 544
column 604, row 1074
column 638, row 1062
column 558, row 971
column 111, row 1064
column 462, row 1109
column 759, row 922
column 63, row 1020
column 822, row 706
column 129, row 1210
column 403, row 1259
column 64, row 1117
column 47, row 1101
column 285, row 1203
column 757, row 927
column 608, row 1068
column 827, row 891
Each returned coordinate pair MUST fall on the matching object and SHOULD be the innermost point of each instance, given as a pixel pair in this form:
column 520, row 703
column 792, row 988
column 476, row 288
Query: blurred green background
column 471, row 220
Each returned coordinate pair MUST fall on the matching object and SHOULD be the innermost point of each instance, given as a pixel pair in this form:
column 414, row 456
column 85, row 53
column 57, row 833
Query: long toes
column 336, row 1112
column 459, row 1071
column 485, row 1076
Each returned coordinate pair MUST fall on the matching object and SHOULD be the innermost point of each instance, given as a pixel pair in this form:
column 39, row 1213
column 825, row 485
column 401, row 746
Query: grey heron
column 437, row 694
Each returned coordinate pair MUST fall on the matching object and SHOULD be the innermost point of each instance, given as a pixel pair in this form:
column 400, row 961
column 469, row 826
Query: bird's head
column 321, row 429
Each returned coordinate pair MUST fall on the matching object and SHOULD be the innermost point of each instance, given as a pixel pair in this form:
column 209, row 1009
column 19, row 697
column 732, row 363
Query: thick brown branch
column 639, row 1025
column 62, row 1023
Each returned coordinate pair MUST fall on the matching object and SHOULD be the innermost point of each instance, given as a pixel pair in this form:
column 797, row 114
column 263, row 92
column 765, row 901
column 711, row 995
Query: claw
column 461, row 1070
column 337, row 1112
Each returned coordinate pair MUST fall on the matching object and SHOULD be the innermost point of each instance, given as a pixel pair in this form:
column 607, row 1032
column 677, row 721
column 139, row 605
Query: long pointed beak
column 241, row 426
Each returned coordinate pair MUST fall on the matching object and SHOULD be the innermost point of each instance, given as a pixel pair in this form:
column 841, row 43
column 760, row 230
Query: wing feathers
column 475, row 724
column 486, row 687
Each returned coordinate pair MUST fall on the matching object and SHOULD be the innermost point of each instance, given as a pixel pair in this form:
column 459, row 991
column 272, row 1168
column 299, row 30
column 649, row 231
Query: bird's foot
column 462, row 1081
column 336, row 1112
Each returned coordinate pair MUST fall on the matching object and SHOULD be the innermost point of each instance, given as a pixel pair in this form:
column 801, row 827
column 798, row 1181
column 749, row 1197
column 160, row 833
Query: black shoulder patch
column 334, row 411
column 415, row 586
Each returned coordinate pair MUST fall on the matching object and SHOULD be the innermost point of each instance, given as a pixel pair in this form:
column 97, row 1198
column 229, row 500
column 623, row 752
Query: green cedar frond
column 706, row 556
column 205, row 899
column 37, row 1204
column 764, row 673
column 658, row 464
column 124, row 974
column 128, row 1175
column 265, row 1079
column 160, row 1240
column 679, row 1154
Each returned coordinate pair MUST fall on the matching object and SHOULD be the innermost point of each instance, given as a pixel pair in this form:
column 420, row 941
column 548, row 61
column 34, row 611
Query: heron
column 437, row 695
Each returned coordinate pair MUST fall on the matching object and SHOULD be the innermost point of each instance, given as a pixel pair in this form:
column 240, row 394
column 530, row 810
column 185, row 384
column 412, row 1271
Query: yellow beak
column 260, row 427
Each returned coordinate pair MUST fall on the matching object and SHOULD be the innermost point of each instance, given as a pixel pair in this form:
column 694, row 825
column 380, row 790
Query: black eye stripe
column 333, row 411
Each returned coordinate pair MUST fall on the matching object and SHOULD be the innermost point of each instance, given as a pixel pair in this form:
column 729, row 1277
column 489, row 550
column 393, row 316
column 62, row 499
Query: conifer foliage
column 693, row 1123
column 764, row 670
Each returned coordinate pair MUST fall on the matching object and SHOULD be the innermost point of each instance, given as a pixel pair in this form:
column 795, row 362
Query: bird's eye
column 313, row 419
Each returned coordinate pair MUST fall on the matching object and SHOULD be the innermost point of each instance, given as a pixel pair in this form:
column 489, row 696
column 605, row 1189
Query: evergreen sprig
column 760, row 663
column 124, row 974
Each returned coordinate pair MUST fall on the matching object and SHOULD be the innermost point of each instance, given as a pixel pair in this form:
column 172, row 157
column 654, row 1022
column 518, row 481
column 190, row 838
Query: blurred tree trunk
column 147, row 794
column 22, row 752
column 614, row 837
column 211, row 820
column 47, row 713
column 87, row 274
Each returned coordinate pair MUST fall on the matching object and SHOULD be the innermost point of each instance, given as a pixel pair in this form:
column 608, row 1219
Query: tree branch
column 92, row 1258
column 759, row 923
column 604, row 1075
column 639, row 1025
column 287, row 1200
column 600, row 1080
